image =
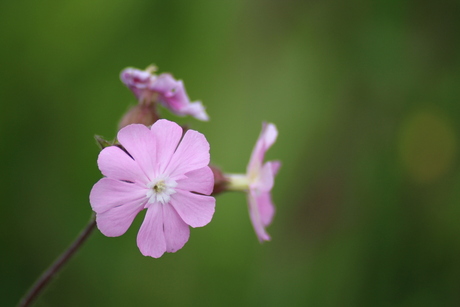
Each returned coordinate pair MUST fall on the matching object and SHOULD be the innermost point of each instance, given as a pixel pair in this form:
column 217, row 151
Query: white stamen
column 161, row 189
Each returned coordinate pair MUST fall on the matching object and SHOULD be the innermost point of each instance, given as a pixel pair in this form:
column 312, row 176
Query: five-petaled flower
column 163, row 171
column 148, row 87
column 258, row 182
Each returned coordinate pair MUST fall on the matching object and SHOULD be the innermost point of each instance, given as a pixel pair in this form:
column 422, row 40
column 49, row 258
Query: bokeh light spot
column 427, row 145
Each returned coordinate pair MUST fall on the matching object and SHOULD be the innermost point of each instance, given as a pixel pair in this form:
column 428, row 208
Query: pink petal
column 167, row 87
column 275, row 166
column 151, row 239
column 266, row 177
column 197, row 110
column 199, row 181
column 114, row 222
column 264, row 142
column 133, row 77
column 139, row 141
column 172, row 93
column 196, row 210
column 136, row 80
column 174, row 97
column 109, row 193
column 256, row 218
column 176, row 232
column 191, row 154
column 265, row 207
column 167, row 137
column 116, row 164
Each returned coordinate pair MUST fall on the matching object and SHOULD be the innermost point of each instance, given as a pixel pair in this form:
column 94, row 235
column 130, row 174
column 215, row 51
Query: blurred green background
column 365, row 95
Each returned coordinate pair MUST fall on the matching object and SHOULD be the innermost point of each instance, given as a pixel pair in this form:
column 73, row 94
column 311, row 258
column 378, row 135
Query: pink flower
column 169, row 92
column 258, row 182
column 160, row 171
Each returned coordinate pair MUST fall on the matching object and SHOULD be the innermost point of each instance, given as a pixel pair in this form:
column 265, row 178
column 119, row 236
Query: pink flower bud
column 139, row 114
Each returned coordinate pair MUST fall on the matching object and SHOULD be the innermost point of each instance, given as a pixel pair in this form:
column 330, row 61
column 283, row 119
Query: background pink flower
column 162, row 173
column 261, row 180
column 258, row 182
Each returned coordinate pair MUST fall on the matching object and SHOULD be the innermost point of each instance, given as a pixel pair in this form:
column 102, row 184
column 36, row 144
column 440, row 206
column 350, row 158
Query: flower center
column 161, row 189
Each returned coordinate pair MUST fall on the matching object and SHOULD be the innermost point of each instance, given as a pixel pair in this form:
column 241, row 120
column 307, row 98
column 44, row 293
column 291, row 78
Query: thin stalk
column 48, row 275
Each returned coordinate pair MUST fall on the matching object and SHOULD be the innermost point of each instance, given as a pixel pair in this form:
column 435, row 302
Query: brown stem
column 48, row 275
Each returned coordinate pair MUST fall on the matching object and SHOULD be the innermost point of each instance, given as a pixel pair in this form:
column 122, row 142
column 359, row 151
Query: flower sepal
column 220, row 181
column 102, row 143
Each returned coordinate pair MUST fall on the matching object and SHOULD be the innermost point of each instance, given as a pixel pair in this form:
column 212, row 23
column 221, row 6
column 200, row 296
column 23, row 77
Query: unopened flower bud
column 144, row 113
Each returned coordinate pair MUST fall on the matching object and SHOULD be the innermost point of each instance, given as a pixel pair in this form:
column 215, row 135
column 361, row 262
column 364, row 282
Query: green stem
column 48, row 275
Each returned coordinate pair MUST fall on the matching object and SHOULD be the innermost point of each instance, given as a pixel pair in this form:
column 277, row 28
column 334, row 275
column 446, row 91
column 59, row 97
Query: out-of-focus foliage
column 365, row 95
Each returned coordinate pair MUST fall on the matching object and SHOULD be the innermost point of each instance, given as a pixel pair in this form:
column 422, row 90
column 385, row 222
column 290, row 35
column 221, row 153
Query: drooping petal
column 265, row 207
column 264, row 142
column 176, row 232
column 136, row 80
column 139, row 141
column 133, row 77
column 167, row 137
column 199, row 181
column 256, row 218
column 174, row 97
column 151, row 239
column 114, row 222
column 196, row 210
column 197, row 110
column 109, row 193
column 116, row 164
column 167, row 87
column 191, row 154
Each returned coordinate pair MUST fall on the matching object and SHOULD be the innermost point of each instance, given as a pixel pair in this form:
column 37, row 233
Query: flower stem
column 48, row 275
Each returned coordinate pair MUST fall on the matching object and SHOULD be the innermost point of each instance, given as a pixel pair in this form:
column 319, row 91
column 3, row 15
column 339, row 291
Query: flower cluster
column 157, row 166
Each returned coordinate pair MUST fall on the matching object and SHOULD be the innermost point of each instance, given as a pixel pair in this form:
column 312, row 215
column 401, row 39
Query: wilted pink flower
column 164, row 88
column 138, row 81
column 258, row 182
column 160, row 171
